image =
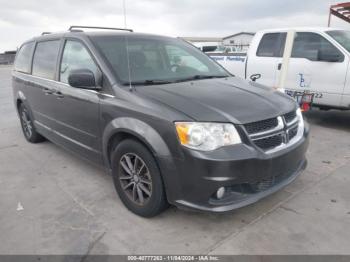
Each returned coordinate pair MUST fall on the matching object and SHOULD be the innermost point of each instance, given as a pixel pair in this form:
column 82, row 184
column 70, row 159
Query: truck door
column 267, row 58
column 316, row 65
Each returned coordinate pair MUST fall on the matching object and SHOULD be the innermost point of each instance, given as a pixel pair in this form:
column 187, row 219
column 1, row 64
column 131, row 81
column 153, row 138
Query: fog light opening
column 220, row 193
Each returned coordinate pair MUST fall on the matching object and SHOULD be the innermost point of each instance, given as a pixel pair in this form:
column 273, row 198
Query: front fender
column 147, row 134
column 139, row 129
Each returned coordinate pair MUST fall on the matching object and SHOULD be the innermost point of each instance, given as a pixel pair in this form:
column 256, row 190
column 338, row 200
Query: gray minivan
column 169, row 123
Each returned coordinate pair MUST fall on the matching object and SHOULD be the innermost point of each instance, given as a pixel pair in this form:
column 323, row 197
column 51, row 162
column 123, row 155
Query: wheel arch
column 18, row 103
column 20, row 99
column 125, row 127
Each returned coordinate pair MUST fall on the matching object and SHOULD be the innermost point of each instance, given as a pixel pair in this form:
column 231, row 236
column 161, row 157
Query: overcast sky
column 23, row 19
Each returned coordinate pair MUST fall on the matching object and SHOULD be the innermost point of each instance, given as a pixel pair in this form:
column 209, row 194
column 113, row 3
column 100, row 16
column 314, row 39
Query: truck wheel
column 137, row 179
column 28, row 128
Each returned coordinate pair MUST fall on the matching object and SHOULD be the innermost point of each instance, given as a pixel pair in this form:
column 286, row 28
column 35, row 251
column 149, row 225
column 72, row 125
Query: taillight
column 305, row 107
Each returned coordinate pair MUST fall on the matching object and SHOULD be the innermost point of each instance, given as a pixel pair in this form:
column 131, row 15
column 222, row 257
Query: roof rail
column 73, row 27
column 45, row 33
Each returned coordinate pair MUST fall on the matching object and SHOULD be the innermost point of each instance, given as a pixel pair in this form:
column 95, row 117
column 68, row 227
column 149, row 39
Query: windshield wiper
column 149, row 82
column 199, row 77
column 163, row 82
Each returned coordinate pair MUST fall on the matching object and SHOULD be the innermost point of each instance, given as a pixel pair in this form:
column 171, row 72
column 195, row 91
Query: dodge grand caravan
column 169, row 124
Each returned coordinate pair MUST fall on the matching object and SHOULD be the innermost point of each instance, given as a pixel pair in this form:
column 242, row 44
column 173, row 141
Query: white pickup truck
column 319, row 63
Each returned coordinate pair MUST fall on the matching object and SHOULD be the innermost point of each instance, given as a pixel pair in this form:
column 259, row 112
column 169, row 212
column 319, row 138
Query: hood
column 221, row 100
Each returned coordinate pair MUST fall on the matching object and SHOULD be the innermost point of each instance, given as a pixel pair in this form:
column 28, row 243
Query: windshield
column 342, row 37
column 156, row 60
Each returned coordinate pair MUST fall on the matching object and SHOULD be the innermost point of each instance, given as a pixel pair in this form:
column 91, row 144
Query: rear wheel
column 137, row 179
column 28, row 128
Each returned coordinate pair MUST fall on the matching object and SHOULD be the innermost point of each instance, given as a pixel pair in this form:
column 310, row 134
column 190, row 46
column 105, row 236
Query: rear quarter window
column 45, row 59
column 24, row 58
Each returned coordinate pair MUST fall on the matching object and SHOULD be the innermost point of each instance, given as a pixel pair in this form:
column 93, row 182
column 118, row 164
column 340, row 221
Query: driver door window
column 75, row 56
column 312, row 46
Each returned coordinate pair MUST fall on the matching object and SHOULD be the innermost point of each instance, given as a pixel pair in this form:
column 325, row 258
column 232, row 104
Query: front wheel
column 137, row 179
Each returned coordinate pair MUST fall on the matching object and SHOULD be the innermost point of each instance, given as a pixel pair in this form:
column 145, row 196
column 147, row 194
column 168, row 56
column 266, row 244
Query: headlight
column 206, row 136
column 301, row 121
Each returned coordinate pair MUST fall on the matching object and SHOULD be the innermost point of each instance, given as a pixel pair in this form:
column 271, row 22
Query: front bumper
column 247, row 174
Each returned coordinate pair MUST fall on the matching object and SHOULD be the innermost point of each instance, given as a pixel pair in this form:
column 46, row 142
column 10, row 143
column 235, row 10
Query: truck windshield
column 155, row 60
column 342, row 37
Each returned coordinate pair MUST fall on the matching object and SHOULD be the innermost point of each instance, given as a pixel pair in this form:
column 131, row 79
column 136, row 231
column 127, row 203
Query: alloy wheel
column 135, row 178
column 27, row 124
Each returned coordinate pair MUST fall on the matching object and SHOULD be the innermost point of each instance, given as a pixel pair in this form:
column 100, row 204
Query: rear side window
column 272, row 45
column 311, row 46
column 24, row 58
column 45, row 58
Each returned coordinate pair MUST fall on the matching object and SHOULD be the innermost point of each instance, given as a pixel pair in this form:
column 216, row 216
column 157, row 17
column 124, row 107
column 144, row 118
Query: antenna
column 128, row 61
column 124, row 10
column 75, row 28
column 127, row 47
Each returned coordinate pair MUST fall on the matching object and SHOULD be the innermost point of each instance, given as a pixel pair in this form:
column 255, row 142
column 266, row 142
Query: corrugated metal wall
column 7, row 58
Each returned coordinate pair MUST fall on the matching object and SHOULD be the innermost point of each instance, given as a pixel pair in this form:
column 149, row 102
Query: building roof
column 341, row 11
column 240, row 33
column 202, row 39
column 213, row 39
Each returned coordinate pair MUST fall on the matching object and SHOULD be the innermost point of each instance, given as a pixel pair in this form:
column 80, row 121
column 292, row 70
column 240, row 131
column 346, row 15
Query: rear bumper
column 247, row 174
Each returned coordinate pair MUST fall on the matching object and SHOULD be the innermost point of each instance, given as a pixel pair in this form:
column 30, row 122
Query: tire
column 141, row 192
column 28, row 128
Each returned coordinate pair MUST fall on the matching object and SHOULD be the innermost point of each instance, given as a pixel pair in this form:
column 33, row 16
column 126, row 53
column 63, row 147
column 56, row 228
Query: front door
column 310, row 71
column 78, row 113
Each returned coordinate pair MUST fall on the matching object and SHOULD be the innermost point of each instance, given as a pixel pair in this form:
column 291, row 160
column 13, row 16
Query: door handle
column 47, row 91
column 279, row 66
column 58, row 94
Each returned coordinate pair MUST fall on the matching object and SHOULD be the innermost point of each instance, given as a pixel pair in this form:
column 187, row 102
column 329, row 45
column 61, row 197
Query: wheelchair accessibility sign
column 304, row 80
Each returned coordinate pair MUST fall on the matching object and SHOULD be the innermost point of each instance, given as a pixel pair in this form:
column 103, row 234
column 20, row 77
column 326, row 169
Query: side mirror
column 330, row 56
column 82, row 78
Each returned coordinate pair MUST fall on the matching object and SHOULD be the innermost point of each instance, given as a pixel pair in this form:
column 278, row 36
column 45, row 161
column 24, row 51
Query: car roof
column 303, row 29
column 83, row 34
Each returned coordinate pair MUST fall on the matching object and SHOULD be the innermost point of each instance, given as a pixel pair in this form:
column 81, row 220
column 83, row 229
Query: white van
column 319, row 63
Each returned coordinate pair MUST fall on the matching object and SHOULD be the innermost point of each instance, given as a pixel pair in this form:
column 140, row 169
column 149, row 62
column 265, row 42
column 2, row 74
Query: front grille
column 237, row 192
column 263, row 184
column 293, row 132
column 261, row 126
column 270, row 142
column 289, row 117
column 248, row 188
column 273, row 132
